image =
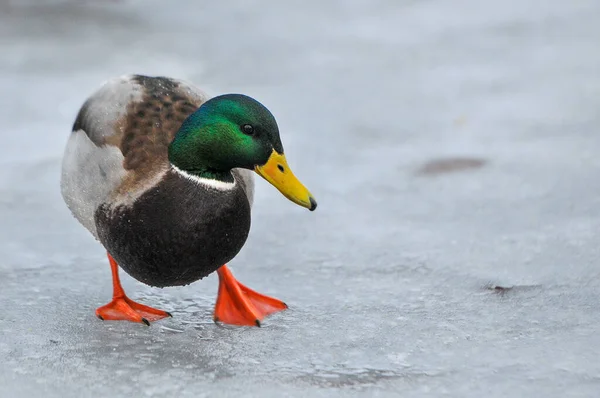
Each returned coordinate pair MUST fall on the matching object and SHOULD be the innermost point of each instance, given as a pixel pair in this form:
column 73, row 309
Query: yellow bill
column 279, row 174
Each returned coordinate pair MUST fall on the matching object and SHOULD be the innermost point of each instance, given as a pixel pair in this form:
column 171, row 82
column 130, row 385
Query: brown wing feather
column 140, row 115
column 150, row 125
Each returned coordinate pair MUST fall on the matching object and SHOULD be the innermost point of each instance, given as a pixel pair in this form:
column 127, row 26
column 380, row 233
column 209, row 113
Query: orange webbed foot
column 125, row 309
column 240, row 305
column 122, row 308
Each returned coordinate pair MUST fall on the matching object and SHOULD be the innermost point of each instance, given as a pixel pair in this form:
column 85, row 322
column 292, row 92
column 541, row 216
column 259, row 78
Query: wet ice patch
column 451, row 165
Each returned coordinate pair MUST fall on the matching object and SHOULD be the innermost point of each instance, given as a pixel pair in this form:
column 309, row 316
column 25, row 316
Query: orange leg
column 122, row 308
column 240, row 305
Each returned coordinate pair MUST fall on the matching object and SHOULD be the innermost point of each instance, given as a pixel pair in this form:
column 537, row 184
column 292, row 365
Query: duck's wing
column 119, row 145
column 140, row 115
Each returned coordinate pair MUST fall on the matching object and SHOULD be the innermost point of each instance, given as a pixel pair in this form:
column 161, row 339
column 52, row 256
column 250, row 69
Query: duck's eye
column 247, row 129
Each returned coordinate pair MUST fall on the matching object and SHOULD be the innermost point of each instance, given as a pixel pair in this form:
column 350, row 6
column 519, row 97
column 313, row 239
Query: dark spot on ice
column 502, row 290
column 450, row 165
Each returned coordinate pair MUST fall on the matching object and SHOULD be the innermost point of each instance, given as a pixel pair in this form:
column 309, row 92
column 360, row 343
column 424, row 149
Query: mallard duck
column 163, row 177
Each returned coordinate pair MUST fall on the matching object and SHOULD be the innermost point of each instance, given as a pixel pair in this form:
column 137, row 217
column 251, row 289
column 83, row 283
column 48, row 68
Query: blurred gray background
column 452, row 146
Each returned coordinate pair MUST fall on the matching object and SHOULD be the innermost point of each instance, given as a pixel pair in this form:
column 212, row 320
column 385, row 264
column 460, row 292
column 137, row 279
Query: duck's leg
column 240, row 305
column 122, row 308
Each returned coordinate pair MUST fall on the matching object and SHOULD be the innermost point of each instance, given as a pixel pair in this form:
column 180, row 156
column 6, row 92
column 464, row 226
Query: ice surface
column 391, row 281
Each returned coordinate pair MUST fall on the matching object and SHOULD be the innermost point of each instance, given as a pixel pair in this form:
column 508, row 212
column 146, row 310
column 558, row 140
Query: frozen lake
column 452, row 147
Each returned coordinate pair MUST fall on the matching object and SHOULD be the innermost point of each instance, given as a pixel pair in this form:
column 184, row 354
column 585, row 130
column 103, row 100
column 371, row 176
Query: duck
column 162, row 175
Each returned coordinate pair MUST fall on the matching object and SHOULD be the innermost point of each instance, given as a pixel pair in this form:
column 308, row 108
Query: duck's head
column 236, row 131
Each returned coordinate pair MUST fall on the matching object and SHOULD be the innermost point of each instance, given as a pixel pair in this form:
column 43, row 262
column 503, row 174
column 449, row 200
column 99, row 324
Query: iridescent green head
column 236, row 131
